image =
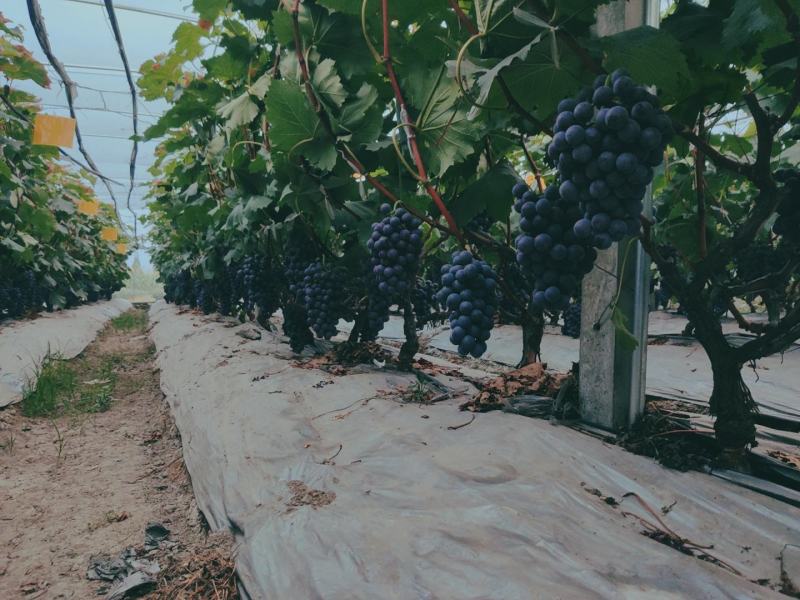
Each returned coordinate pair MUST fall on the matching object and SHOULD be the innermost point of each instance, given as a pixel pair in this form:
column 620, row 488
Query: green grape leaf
column 295, row 128
column 362, row 116
column 326, row 82
column 209, row 9
column 496, row 185
column 651, row 56
column 749, row 19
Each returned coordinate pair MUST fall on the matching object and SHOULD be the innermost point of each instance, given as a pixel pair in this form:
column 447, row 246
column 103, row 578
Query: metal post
column 612, row 379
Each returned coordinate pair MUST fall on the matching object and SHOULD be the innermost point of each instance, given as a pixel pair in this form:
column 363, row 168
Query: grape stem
column 700, row 189
column 742, row 322
column 612, row 306
column 301, row 57
column 537, row 174
column 465, row 20
column 386, row 59
column 793, row 27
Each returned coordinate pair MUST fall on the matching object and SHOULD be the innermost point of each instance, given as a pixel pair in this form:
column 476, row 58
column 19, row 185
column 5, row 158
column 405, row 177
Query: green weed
column 57, row 389
column 133, row 319
column 54, row 381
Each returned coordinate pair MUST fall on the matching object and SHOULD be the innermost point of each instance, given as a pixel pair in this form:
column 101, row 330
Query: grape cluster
column 322, row 298
column 515, row 294
column 205, row 297
column 267, row 298
column 194, row 297
column 395, row 246
column 787, row 225
column 247, row 277
column 549, row 252
column 21, row 294
column 606, row 142
column 481, row 222
column 12, row 304
column 224, row 288
column 178, row 288
column 294, row 266
column 469, row 292
column 295, row 327
column 377, row 314
column 572, row 321
column 426, row 305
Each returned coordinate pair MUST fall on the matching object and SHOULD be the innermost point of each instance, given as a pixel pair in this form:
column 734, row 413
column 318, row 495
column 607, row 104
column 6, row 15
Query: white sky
column 81, row 35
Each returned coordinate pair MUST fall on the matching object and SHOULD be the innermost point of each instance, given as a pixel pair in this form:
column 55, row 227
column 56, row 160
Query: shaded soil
column 668, row 436
column 81, row 484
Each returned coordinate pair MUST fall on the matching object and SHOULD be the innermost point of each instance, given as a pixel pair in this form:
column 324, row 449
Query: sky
column 81, row 37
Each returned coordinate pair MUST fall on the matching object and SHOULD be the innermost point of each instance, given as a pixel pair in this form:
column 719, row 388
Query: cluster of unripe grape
column 469, row 292
column 606, row 142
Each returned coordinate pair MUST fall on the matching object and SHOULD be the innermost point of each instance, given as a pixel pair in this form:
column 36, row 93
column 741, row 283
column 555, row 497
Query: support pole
column 612, row 379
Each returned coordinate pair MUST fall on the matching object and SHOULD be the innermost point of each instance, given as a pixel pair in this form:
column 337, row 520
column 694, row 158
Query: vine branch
column 465, row 20
column 411, row 136
column 793, row 27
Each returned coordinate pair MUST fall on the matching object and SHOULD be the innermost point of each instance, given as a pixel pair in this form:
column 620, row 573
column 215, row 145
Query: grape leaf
column 402, row 10
column 209, row 9
column 362, row 116
column 294, row 126
column 327, row 84
column 496, row 184
column 443, row 130
column 651, row 56
column 750, row 19
column 239, row 111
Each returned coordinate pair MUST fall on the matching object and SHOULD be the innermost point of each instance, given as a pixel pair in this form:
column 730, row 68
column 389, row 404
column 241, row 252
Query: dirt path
column 87, row 478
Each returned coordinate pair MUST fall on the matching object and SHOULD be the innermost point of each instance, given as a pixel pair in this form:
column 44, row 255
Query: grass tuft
column 55, row 381
column 57, row 389
column 133, row 319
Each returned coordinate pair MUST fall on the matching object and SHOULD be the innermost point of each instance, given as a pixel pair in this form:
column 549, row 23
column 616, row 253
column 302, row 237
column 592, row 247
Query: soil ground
column 86, row 479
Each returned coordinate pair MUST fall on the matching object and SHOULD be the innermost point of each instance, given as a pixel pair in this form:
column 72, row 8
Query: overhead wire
column 39, row 28
column 112, row 17
column 138, row 9
column 92, row 108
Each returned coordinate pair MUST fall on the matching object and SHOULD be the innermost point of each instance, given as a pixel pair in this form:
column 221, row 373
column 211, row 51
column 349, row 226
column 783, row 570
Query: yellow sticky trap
column 88, row 207
column 109, row 234
column 122, row 248
column 530, row 179
column 50, row 130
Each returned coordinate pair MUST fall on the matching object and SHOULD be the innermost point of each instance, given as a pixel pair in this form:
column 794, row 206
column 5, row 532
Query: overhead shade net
column 52, row 130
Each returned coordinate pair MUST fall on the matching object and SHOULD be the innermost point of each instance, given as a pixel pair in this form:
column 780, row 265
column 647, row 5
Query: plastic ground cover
column 336, row 489
column 677, row 370
column 24, row 344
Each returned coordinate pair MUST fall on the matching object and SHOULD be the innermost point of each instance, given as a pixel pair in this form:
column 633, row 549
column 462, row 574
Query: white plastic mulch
column 25, row 344
column 336, row 489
